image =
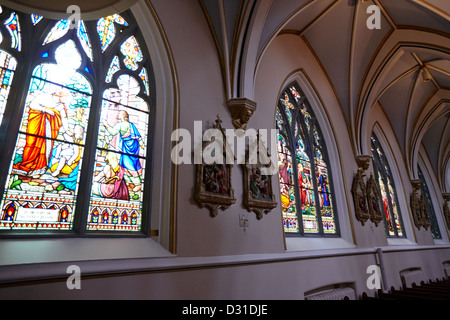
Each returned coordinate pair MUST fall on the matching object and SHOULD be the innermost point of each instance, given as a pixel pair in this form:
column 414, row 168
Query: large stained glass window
column 79, row 159
column 304, row 174
column 435, row 232
column 385, row 181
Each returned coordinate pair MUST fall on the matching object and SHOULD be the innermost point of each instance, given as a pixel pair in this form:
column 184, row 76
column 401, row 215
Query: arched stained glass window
column 81, row 158
column 304, row 174
column 435, row 232
column 385, row 181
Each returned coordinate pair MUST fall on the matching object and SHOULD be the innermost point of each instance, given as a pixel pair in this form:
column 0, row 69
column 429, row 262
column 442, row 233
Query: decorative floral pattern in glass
column 306, row 195
column 106, row 29
column 132, row 52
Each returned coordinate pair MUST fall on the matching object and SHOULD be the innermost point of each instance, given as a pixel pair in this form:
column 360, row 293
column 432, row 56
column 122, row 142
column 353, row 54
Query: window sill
column 15, row 252
column 400, row 242
column 306, row 244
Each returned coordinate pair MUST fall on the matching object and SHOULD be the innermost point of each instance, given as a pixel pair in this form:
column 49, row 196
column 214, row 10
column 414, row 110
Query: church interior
column 112, row 194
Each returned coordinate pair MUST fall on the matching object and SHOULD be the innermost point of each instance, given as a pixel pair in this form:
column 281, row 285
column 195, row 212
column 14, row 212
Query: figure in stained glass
column 45, row 168
column 130, row 143
column 386, row 187
column 323, row 191
column 301, row 137
column 46, row 115
column 109, row 182
column 66, row 157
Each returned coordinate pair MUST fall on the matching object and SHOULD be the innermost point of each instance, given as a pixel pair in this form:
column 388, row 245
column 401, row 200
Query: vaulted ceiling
column 364, row 66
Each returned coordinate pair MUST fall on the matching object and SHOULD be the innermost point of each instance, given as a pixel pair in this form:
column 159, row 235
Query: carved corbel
column 241, row 110
column 447, row 208
column 359, row 190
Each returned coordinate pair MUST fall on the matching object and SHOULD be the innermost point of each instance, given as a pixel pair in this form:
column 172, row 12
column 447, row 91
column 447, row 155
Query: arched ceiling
column 364, row 66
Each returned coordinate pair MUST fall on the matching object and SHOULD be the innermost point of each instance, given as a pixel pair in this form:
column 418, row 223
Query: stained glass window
column 388, row 199
column 304, row 174
column 80, row 161
column 435, row 232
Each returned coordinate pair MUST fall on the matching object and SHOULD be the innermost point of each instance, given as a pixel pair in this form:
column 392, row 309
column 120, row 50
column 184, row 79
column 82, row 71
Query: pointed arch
column 306, row 180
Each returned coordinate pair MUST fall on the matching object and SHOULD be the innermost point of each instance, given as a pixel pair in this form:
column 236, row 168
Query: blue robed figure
column 130, row 144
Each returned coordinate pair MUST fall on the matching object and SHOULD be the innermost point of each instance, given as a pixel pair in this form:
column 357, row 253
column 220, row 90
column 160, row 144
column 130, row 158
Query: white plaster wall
column 201, row 99
column 283, row 279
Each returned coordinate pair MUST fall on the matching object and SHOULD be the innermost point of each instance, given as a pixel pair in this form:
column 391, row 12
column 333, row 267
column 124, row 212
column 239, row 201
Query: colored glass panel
column 309, row 213
column 126, row 94
column 386, row 207
column 435, row 232
column 44, row 173
column 295, row 93
column 300, row 150
column 120, row 159
column 113, row 68
column 144, row 77
column 106, row 29
column 389, row 202
column 7, row 66
column 13, row 27
column 58, row 31
column 289, row 107
column 36, row 18
column 287, row 189
column 312, row 213
column 132, row 52
column 395, row 212
column 116, row 194
column 279, row 119
column 306, row 116
column 84, row 39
